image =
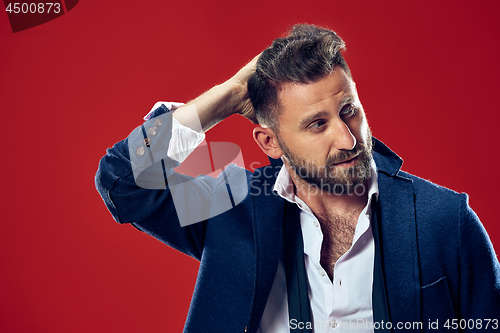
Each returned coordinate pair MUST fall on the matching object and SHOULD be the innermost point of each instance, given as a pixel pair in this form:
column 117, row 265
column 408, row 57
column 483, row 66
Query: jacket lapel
column 399, row 237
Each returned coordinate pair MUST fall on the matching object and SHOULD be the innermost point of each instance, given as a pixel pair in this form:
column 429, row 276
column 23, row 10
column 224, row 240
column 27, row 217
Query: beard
column 331, row 178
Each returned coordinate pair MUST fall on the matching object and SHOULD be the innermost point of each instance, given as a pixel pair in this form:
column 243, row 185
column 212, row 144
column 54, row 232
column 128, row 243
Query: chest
column 338, row 234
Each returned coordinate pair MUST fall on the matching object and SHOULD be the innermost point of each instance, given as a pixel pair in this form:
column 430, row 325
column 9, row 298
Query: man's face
column 324, row 135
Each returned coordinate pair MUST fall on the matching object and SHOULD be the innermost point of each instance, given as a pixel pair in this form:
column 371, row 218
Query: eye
column 348, row 111
column 318, row 124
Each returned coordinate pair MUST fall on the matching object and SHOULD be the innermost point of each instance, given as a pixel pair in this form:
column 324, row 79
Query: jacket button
column 152, row 131
column 140, row 151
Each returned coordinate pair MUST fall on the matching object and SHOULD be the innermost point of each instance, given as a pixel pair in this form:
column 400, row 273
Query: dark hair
column 307, row 54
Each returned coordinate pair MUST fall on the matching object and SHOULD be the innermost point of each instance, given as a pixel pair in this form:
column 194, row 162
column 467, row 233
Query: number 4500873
column 471, row 324
column 33, row 8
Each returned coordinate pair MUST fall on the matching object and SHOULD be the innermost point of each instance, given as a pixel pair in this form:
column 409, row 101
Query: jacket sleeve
column 138, row 185
column 479, row 273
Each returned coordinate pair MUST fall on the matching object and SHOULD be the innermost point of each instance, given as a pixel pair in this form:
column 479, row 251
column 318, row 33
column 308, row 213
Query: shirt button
column 140, row 151
column 333, row 323
column 316, row 223
column 321, row 272
column 146, row 142
column 158, row 122
column 152, row 131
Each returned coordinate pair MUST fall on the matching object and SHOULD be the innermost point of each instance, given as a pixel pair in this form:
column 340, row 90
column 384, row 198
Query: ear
column 267, row 141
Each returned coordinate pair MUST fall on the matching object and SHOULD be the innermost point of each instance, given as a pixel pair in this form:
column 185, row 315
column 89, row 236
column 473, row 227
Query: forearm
column 210, row 108
column 132, row 182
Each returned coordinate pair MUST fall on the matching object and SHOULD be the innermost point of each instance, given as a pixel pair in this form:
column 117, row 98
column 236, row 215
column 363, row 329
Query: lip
column 348, row 163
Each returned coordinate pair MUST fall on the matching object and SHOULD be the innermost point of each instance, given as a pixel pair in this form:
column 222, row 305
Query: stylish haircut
column 306, row 55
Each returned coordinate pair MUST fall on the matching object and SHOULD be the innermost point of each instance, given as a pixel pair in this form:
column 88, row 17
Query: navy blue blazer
column 438, row 260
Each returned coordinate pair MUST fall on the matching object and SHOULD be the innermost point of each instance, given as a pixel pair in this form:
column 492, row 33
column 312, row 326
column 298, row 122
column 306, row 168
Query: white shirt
column 342, row 305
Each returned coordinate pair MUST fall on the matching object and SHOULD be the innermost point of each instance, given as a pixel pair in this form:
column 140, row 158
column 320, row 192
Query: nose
column 344, row 140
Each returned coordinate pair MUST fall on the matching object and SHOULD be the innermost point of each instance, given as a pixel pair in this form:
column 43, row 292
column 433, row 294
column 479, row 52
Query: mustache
column 346, row 155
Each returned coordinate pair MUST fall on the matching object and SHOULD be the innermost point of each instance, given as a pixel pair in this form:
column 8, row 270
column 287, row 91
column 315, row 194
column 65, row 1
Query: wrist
column 235, row 93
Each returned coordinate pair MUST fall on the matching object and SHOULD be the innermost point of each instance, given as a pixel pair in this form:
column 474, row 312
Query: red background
column 427, row 75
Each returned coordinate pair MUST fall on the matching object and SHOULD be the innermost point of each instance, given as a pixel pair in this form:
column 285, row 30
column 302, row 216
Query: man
column 339, row 239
